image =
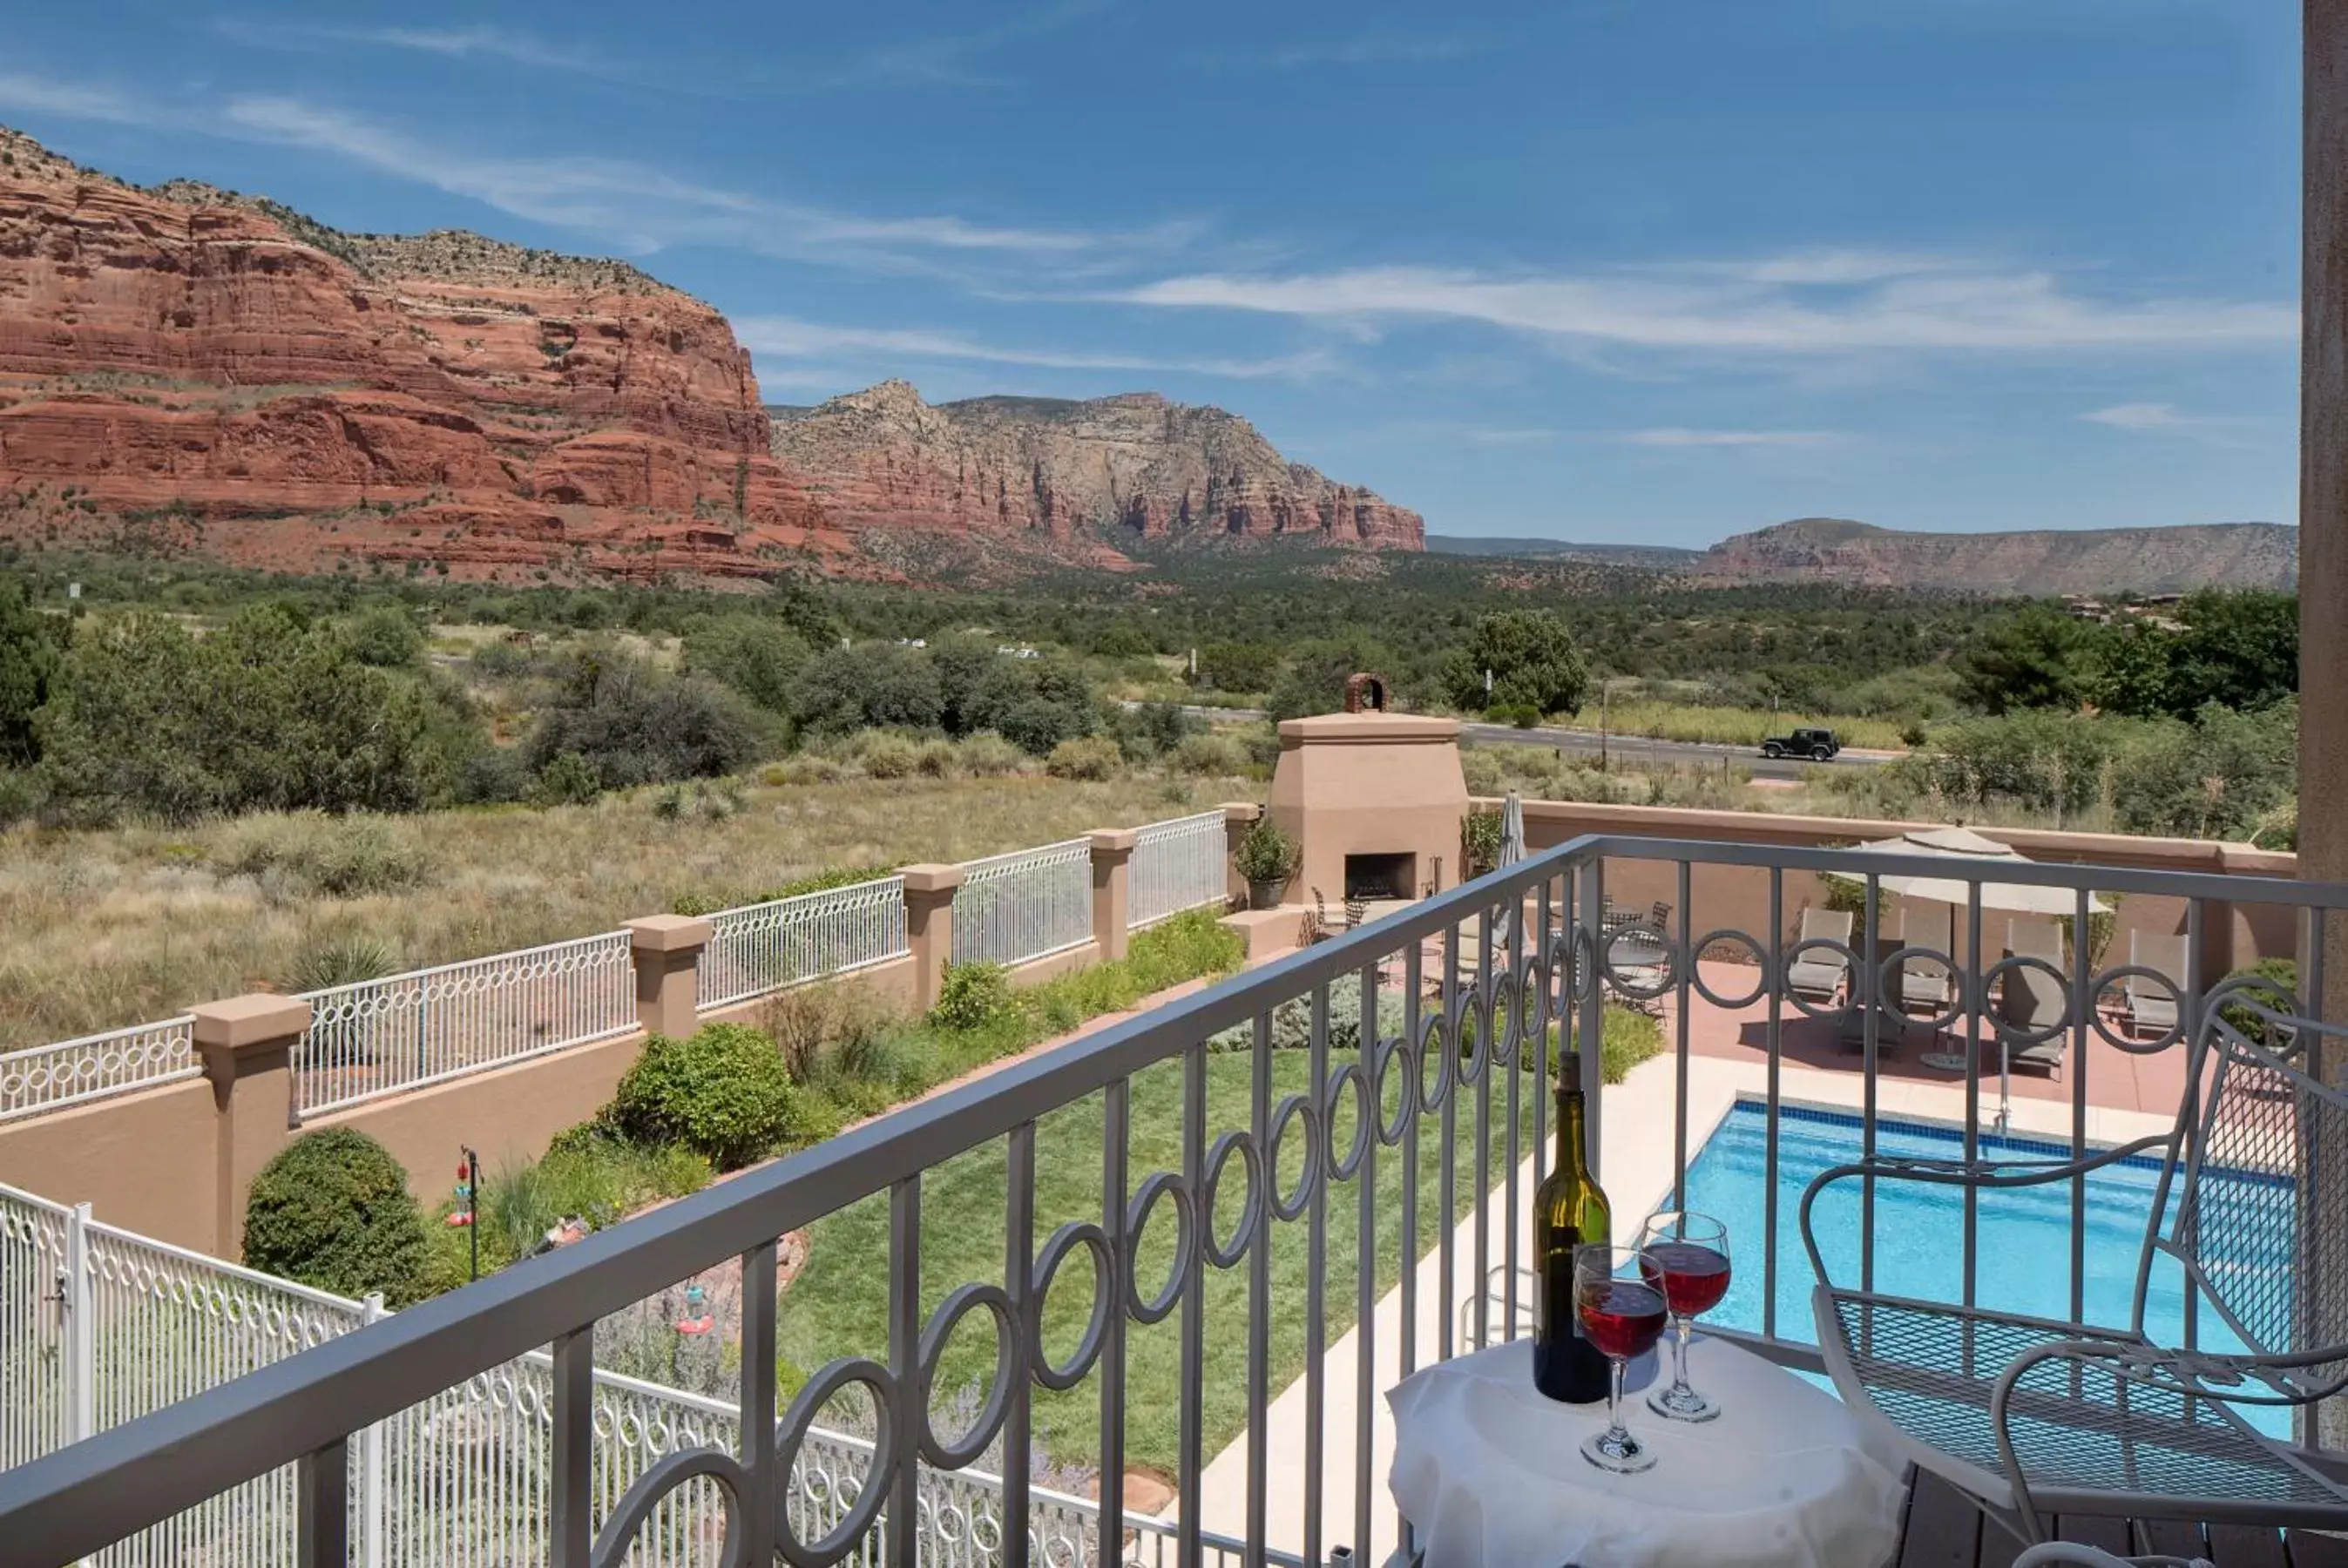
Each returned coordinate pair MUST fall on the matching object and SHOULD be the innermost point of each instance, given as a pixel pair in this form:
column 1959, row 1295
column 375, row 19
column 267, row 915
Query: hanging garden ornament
column 464, row 1215
column 697, row 1319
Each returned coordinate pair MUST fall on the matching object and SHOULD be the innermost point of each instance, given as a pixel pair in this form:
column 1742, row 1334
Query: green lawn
column 836, row 1305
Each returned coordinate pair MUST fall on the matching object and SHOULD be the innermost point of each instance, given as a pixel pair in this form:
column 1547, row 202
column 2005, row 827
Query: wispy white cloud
column 23, row 94
column 1678, row 436
column 2146, row 416
column 1796, row 305
column 789, row 338
column 1367, row 48
column 484, row 42
column 958, row 59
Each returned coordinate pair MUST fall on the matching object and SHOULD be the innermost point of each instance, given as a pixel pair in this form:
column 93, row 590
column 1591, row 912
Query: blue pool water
column 2024, row 1263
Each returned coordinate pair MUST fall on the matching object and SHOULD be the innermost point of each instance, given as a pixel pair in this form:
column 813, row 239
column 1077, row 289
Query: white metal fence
column 50, row 1077
column 99, row 1326
column 380, row 1036
column 1026, row 905
column 374, row 1038
column 764, row 948
column 1177, row 865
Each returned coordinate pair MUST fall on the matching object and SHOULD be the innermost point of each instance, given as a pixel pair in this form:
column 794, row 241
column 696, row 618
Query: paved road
column 1636, row 749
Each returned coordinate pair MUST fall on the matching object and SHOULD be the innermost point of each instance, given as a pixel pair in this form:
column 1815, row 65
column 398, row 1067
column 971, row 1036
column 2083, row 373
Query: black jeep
column 1818, row 745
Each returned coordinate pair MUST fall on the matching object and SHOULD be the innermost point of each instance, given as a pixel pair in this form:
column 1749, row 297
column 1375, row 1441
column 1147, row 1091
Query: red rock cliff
column 280, row 393
column 1135, row 465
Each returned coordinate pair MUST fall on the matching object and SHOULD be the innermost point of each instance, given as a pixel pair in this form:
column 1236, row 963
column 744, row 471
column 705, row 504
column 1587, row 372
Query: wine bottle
column 1570, row 1214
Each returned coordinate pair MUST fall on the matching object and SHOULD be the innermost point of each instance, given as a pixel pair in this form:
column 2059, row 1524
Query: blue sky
column 1655, row 270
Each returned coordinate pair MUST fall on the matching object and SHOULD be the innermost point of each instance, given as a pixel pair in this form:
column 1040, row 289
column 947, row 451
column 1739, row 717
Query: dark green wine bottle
column 1569, row 1214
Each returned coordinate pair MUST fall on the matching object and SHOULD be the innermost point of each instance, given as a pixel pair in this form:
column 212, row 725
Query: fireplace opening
column 1381, row 875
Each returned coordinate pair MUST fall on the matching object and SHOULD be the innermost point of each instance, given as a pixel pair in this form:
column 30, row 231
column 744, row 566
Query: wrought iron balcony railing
column 1355, row 1134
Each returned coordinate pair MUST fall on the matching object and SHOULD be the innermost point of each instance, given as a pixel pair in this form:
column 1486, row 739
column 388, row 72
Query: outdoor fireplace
column 1374, row 801
column 1382, row 876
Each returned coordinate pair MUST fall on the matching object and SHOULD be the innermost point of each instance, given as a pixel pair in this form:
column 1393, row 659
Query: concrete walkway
column 1636, row 1158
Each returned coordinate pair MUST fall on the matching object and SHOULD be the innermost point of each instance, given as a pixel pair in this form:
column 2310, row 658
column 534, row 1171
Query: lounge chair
column 2030, row 1001
column 1817, row 975
column 2150, row 1008
column 1924, row 984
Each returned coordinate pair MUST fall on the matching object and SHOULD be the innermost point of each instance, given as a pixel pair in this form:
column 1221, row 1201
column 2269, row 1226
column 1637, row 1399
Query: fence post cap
column 1241, row 811
column 1114, row 841
column 237, row 1023
column 932, row 878
column 667, row 933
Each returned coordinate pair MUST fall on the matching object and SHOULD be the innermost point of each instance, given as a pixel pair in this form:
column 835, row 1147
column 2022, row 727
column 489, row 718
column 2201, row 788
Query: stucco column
column 929, row 927
column 1239, row 815
column 1112, row 886
column 668, row 949
column 247, row 1046
column 2323, row 569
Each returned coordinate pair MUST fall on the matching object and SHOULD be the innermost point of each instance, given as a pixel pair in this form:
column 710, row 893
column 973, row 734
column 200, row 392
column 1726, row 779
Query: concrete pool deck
column 1636, row 1159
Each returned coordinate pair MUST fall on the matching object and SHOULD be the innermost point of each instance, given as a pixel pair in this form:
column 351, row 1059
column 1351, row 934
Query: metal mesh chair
column 2035, row 1417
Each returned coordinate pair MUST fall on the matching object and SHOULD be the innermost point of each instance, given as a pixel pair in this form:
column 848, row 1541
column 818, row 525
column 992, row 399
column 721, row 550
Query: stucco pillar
column 1112, row 886
column 668, row 949
column 1239, row 815
column 247, row 1046
column 929, row 927
column 2323, row 568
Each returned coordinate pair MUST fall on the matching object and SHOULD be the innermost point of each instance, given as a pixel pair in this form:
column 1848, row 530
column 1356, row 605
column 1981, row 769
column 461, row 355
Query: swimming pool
column 2024, row 1262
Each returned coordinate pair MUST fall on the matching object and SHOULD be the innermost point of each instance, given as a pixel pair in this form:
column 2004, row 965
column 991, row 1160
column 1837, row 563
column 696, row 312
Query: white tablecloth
column 1490, row 1472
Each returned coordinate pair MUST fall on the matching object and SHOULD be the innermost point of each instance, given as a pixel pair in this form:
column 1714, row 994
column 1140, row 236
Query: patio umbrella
column 1512, row 829
column 2014, row 898
column 1512, row 849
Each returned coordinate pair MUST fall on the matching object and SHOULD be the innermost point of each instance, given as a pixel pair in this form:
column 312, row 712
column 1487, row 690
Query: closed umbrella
column 1512, row 849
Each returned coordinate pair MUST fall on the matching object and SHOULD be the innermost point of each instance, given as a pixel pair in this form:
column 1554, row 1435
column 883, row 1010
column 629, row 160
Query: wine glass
column 1687, row 1258
column 1622, row 1315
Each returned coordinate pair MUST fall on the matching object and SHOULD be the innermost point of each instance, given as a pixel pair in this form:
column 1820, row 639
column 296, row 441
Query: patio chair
column 2149, row 1009
column 2034, row 1418
column 1924, row 986
column 1661, row 917
column 2030, row 1001
column 1817, row 975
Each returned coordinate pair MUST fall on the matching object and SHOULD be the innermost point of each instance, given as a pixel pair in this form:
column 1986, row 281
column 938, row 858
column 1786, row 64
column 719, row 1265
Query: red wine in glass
column 1685, row 1256
column 1623, row 1317
column 1693, row 1278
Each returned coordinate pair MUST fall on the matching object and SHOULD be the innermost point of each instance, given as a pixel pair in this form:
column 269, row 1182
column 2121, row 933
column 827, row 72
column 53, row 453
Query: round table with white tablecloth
column 1489, row 1473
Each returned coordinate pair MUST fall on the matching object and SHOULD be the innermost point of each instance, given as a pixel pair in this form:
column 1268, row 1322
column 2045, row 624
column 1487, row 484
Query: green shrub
column 22, row 795
column 972, row 997
column 1093, row 757
column 936, row 760
column 333, row 1210
column 343, row 961
column 567, row 779
column 1209, row 756
column 988, row 755
column 888, row 756
column 722, row 1093
column 335, row 857
column 1265, row 853
column 633, row 725
column 1479, row 840
column 387, row 638
column 1629, row 1038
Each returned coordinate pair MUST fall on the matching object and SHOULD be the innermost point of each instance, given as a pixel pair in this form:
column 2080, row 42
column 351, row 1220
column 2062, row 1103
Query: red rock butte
column 183, row 368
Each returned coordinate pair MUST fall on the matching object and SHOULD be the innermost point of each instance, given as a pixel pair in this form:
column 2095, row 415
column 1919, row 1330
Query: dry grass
column 121, row 927
column 1667, row 721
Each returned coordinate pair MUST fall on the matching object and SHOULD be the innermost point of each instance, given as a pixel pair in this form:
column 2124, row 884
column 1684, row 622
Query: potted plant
column 1266, row 859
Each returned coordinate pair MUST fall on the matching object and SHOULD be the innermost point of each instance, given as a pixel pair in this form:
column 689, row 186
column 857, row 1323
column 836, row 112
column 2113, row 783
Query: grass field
column 1730, row 726
column 838, row 1303
column 123, row 926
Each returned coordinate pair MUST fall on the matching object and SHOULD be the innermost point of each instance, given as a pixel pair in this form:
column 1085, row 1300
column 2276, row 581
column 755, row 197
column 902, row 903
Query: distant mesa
column 2036, row 562
column 1127, row 469
column 2033, row 563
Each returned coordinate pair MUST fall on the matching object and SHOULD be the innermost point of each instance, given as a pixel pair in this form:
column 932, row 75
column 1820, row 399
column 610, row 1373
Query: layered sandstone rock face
column 1136, row 466
column 2050, row 561
column 251, row 383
